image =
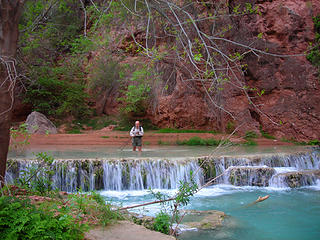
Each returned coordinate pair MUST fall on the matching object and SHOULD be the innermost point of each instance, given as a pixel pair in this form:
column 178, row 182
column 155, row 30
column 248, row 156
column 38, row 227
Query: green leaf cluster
column 38, row 175
column 137, row 92
column 53, row 50
column 162, row 222
column 19, row 219
column 197, row 141
column 314, row 54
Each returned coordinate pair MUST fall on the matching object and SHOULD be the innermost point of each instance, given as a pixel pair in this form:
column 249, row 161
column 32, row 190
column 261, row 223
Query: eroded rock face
column 290, row 104
column 291, row 84
column 40, row 124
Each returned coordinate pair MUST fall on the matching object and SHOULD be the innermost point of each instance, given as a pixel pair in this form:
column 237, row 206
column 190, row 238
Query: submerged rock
column 203, row 220
column 40, row 124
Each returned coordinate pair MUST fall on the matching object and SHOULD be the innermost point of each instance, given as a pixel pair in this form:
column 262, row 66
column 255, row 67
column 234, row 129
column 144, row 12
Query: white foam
column 184, row 228
column 316, row 186
column 285, row 169
column 136, row 193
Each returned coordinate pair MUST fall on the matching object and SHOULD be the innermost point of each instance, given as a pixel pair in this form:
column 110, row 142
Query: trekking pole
column 125, row 144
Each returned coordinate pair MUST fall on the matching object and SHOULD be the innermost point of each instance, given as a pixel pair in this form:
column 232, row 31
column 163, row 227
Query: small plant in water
column 169, row 213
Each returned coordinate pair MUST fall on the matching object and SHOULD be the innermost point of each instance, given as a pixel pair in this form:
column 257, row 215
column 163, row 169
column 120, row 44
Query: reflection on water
column 82, row 151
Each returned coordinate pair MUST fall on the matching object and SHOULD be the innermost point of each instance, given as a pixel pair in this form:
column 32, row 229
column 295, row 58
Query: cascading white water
column 293, row 170
column 138, row 175
column 274, row 170
column 72, row 175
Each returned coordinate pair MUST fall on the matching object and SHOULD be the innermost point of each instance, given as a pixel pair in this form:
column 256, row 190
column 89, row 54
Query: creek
column 289, row 175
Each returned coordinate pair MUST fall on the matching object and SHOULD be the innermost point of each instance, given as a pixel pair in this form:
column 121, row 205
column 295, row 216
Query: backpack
column 139, row 128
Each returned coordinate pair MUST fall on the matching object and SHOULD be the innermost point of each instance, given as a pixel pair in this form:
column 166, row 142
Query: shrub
column 38, row 176
column 265, row 134
column 19, row 219
column 250, row 134
column 314, row 54
column 197, row 141
column 231, row 126
column 137, row 92
column 250, row 142
column 314, row 142
column 162, row 223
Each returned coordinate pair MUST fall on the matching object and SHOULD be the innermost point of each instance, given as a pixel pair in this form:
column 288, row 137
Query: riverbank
column 125, row 230
column 120, row 138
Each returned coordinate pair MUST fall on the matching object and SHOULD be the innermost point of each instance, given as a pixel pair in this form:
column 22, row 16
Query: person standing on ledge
column 136, row 133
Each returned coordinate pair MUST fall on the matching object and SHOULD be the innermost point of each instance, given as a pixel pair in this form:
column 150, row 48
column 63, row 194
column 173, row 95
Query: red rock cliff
column 290, row 105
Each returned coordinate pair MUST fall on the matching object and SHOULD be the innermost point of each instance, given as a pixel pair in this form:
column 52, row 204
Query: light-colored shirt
column 136, row 132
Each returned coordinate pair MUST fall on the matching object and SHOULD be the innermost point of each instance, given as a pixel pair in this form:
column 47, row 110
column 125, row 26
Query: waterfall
column 276, row 170
column 140, row 175
column 72, row 175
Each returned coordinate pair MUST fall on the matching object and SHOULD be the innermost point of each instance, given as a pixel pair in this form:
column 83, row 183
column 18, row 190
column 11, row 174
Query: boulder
column 40, row 124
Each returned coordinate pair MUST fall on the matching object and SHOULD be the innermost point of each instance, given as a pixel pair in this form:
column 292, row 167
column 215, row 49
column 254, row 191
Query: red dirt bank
column 118, row 138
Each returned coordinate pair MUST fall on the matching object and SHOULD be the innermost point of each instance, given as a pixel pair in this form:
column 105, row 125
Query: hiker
column 136, row 133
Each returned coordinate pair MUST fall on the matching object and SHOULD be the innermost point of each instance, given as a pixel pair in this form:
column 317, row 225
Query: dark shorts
column 137, row 141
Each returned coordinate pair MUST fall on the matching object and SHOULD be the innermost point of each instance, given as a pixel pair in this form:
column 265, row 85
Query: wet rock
column 143, row 220
column 250, row 176
column 203, row 220
column 297, row 179
column 40, row 124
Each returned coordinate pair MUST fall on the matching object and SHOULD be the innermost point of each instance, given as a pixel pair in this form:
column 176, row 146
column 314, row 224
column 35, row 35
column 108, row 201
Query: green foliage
column 52, row 48
column 19, row 219
column 19, row 132
column 197, row 141
column 106, row 74
column 314, row 142
column 137, row 92
column 92, row 205
column 55, row 94
column 231, row 126
column 265, row 134
column 96, row 123
column 314, row 54
column 160, row 142
column 38, row 176
column 250, row 134
column 250, row 142
column 169, row 213
column 57, row 29
column 125, row 123
column 173, row 130
column 162, row 222
column 148, row 125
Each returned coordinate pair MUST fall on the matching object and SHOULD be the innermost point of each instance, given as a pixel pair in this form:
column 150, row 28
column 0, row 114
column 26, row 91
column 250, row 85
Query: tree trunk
column 10, row 12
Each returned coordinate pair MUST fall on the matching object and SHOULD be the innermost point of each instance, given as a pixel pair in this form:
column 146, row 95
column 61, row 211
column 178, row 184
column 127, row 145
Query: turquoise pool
column 289, row 214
